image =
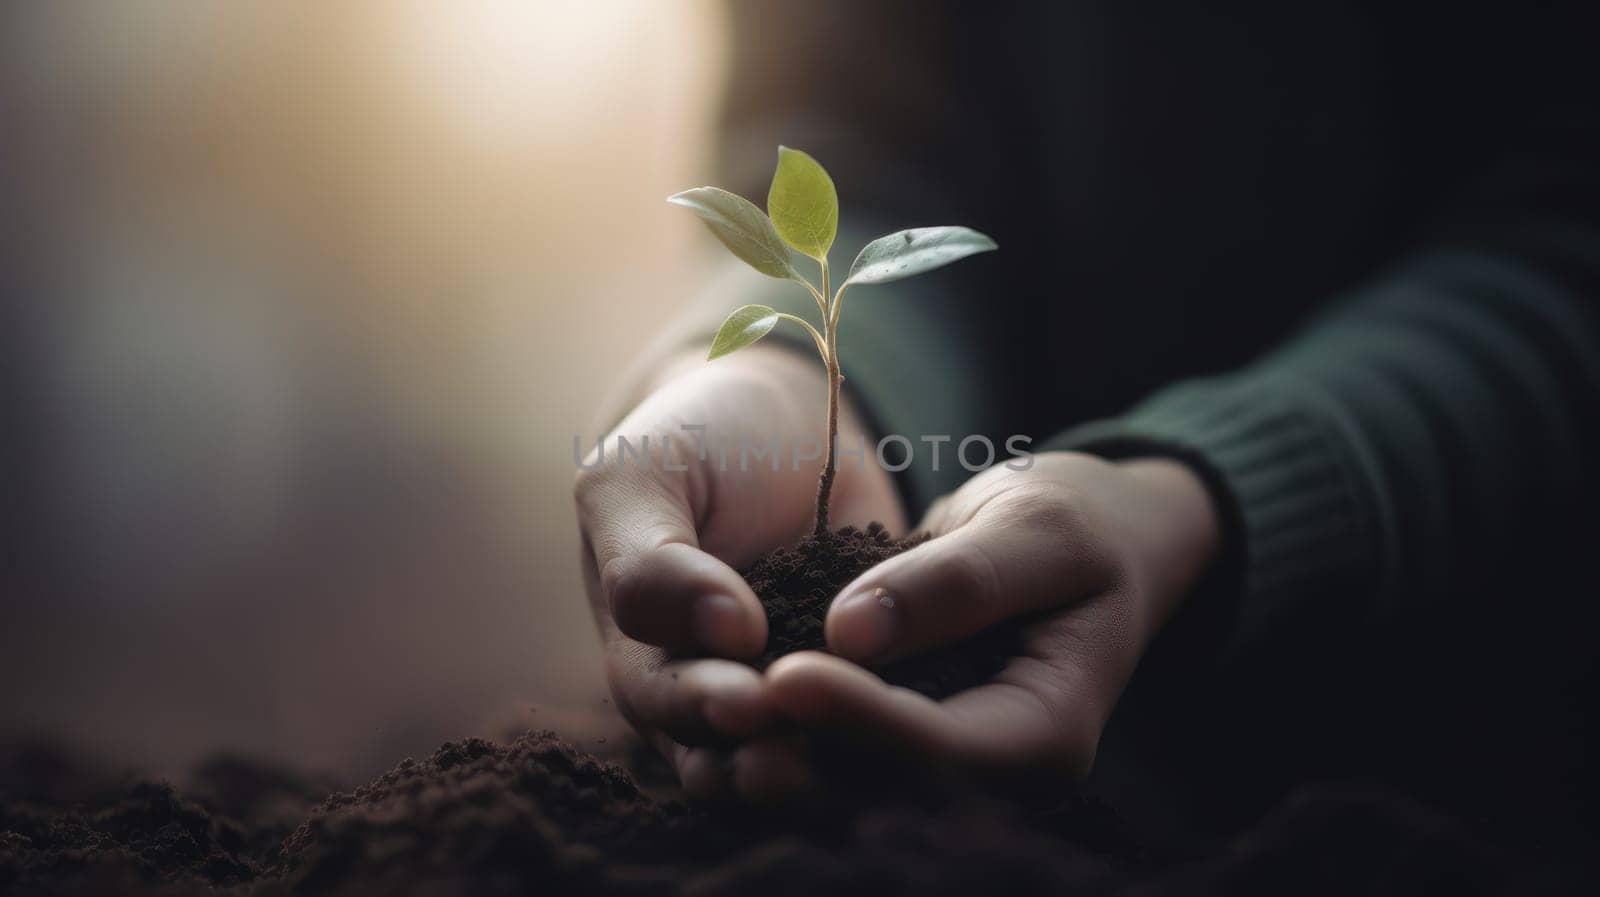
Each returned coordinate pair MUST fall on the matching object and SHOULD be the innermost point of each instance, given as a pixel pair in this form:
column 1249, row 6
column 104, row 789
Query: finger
column 706, row 702
column 685, row 600
column 656, row 584
column 824, row 693
column 1014, row 556
column 1023, row 724
column 701, row 771
column 772, row 770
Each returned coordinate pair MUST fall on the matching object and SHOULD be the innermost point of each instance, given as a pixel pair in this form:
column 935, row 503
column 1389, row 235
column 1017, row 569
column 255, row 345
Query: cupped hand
column 1092, row 556
column 661, row 544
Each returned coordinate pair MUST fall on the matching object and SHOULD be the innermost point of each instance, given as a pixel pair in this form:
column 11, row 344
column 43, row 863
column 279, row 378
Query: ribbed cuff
column 1288, row 479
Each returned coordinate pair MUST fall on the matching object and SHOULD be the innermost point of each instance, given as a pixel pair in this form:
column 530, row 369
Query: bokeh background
column 303, row 305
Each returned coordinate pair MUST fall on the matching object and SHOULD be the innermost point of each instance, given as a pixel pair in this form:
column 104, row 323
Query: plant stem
column 822, row 302
column 822, row 345
column 830, row 465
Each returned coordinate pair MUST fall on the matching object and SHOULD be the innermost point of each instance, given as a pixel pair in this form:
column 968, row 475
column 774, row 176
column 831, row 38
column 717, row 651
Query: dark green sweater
column 1340, row 258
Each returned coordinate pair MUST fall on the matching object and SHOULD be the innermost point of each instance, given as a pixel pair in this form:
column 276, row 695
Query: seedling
column 804, row 215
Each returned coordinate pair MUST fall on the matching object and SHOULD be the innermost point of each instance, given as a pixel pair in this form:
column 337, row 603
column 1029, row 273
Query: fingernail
column 715, row 621
column 865, row 625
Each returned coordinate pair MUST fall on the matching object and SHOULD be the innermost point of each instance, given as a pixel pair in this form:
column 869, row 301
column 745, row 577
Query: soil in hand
column 796, row 586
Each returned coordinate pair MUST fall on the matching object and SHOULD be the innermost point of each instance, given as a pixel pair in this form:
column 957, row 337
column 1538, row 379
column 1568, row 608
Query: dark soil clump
column 536, row 815
column 796, row 586
column 146, row 836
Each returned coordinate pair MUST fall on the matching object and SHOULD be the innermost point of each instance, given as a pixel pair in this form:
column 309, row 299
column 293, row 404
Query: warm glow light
column 315, row 268
column 502, row 71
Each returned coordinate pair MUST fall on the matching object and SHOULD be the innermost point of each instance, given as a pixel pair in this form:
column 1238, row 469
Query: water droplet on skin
column 885, row 600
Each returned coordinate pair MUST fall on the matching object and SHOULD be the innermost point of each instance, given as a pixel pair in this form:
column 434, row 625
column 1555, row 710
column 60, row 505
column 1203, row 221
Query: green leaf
column 746, row 325
column 908, row 252
column 742, row 227
column 803, row 204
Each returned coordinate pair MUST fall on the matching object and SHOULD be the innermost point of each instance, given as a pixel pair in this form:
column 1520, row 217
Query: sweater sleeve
column 1402, row 443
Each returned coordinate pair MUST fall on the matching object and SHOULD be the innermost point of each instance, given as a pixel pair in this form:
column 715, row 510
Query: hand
column 661, row 546
column 1096, row 554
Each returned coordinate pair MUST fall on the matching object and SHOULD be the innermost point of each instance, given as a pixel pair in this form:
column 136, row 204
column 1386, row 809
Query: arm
column 1416, row 438
column 1421, row 430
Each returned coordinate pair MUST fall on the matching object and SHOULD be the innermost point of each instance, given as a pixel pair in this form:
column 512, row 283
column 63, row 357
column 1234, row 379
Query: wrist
column 1179, row 531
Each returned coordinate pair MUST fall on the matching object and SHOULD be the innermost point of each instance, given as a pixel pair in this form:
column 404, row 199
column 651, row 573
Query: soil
column 537, row 815
column 797, row 584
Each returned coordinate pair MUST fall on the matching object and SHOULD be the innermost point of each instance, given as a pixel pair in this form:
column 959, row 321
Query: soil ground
column 536, row 815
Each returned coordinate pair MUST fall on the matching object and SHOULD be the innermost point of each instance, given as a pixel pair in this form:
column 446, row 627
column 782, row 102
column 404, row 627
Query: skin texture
column 660, row 547
column 1096, row 554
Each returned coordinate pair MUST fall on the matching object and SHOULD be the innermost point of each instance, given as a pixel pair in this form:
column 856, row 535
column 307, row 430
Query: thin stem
column 822, row 345
column 819, row 295
column 838, row 303
column 829, row 466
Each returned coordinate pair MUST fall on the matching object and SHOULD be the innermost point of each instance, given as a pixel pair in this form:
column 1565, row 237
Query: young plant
column 804, row 215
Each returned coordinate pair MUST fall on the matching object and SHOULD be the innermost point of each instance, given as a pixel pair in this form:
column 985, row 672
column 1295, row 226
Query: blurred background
column 303, row 304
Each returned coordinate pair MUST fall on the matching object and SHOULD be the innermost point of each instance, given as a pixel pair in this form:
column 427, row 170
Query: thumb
column 655, row 583
column 1021, row 551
